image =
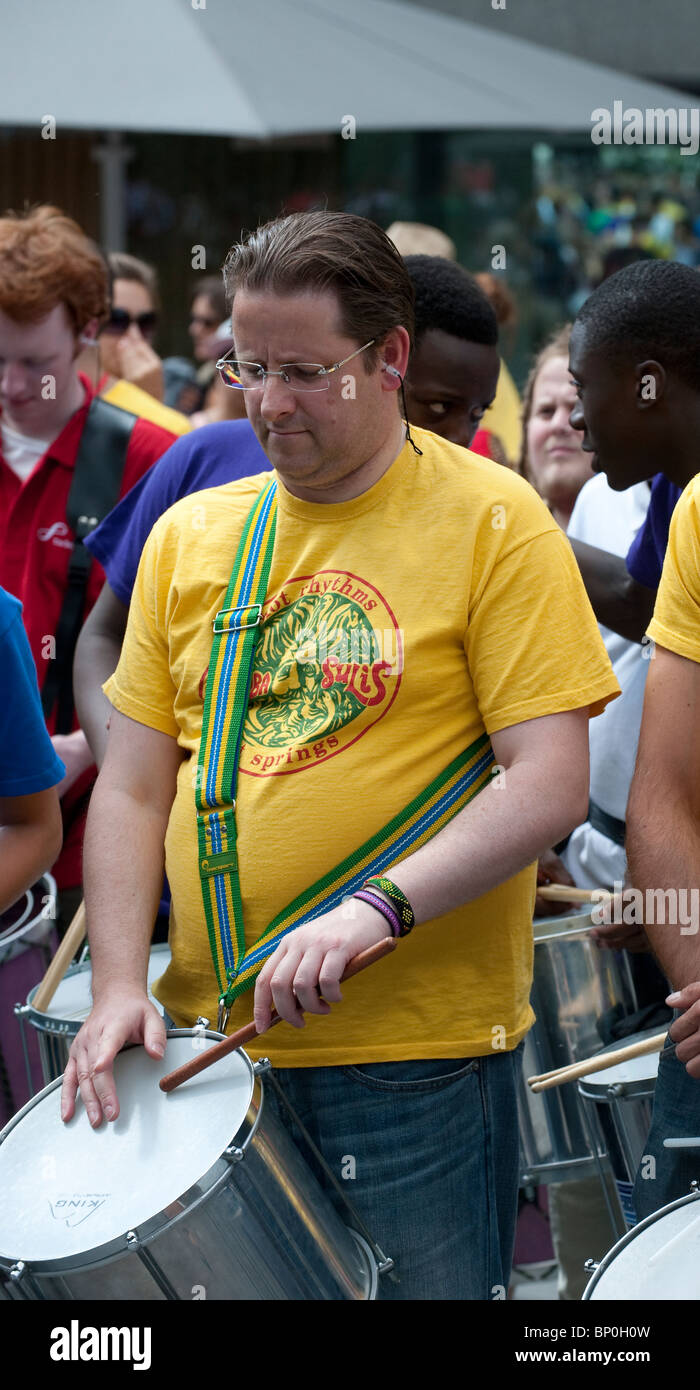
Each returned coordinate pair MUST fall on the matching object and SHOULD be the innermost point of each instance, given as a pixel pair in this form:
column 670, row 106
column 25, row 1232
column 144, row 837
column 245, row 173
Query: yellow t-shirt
column 504, row 417
column 676, row 620
column 139, row 402
column 459, row 604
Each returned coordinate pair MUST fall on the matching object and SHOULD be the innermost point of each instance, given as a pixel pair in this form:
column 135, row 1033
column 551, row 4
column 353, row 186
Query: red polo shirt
column 35, row 546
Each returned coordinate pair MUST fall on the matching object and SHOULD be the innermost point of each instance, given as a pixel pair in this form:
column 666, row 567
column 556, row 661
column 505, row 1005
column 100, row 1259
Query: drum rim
column 204, row 1187
column 16, row 934
column 630, row 1235
column 558, row 919
column 643, row 1088
column 69, row 1027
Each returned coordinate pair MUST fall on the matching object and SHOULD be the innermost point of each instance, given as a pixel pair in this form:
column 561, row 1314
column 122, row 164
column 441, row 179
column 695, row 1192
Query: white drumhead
column 659, row 1262
column 72, row 1000
column 635, row 1069
column 65, row 1189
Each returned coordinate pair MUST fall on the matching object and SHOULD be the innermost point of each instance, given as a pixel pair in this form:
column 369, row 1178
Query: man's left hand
column 74, row 751
column 303, row 974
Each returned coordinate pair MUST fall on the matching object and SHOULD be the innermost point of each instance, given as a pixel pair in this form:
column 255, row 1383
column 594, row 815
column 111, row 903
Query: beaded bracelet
column 399, row 900
column 382, row 906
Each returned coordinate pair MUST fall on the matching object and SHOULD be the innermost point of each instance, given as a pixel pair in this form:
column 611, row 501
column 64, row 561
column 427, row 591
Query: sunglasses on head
column 120, row 321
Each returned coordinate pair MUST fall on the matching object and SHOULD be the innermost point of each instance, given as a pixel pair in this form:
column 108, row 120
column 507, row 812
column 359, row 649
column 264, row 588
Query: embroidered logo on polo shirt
column 56, row 533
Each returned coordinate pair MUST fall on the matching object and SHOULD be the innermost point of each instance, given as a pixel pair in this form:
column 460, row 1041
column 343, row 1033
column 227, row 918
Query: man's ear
column 393, row 352
column 650, row 383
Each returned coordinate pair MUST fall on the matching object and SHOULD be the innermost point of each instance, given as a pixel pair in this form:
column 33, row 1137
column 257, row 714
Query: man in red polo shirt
column 53, row 294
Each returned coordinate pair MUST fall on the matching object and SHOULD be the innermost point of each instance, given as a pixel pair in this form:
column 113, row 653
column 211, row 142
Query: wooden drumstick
column 560, row 893
column 248, row 1032
column 600, row 1062
column 71, row 942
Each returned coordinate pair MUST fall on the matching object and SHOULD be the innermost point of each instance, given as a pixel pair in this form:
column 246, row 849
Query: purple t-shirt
column 645, row 557
column 207, row 457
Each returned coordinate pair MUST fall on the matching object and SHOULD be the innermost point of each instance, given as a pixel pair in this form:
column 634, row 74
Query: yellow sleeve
column 142, row 686
column 504, row 417
column 532, row 641
column 676, row 620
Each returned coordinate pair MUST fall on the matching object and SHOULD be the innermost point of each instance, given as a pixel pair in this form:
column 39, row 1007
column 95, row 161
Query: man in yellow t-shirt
column 420, row 598
column 663, row 848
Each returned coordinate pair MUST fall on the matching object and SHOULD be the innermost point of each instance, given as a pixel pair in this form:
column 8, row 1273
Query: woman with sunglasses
column 131, row 370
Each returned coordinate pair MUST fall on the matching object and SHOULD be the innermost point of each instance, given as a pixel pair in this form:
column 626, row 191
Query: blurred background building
column 183, row 123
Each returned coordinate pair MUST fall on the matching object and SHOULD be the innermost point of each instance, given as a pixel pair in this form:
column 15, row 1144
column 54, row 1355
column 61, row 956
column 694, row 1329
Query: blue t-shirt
column 28, row 763
column 207, row 457
column 645, row 557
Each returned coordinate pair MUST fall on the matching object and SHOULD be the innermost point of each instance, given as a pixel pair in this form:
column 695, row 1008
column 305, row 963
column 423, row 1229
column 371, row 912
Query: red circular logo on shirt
column 327, row 668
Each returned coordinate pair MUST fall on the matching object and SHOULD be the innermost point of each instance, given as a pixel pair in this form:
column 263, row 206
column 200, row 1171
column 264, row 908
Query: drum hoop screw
column 132, row 1240
column 233, row 1154
column 694, row 1185
column 17, row 1271
column 590, row 1266
column 262, row 1065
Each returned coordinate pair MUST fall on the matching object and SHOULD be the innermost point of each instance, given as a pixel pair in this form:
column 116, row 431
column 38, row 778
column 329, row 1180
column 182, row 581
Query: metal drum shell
column 622, row 1111
column 574, row 984
column 255, row 1225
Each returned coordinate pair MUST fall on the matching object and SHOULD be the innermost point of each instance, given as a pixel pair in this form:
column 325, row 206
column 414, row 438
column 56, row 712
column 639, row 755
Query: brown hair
column 557, row 346
column 124, row 267
column 336, row 251
column 47, row 260
column 212, row 287
column 499, row 297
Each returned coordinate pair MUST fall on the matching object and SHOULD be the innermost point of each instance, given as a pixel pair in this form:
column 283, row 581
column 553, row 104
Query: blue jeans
column 676, row 1114
column 428, row 1153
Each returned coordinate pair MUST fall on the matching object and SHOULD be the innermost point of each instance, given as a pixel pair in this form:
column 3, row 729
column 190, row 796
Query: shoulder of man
column 10, row 611
column 217, row 509
column 481, row 489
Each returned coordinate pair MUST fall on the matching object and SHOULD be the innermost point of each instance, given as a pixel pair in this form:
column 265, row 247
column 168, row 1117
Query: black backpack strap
column 97, row 477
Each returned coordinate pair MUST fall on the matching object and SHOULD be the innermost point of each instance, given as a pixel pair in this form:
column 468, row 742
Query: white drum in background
column 69, row 1008
column 658, row 1260
column 198, row 1190
column 621, row 1099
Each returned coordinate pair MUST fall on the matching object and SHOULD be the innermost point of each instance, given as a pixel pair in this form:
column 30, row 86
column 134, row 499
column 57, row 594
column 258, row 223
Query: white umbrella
column 271, row 67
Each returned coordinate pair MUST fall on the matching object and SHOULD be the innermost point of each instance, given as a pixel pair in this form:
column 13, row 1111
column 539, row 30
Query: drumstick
column 62, row 959
column 559, row 892
column 600, row 1062
column 249, row 1032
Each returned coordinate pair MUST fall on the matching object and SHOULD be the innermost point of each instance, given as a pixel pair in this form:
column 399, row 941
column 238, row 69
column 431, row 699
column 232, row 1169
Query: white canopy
column 273, row 67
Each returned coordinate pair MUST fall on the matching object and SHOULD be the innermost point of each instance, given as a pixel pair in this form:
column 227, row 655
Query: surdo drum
column 659, row 1259
column 199, row 1193
column 575, row 984
column 621, row 1098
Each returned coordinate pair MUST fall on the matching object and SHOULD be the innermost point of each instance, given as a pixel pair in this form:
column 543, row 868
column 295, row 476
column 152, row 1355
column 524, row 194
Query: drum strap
column 236, row 630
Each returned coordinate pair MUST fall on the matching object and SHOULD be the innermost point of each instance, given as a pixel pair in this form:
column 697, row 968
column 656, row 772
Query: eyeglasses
column 298, row 376
column 120, row 322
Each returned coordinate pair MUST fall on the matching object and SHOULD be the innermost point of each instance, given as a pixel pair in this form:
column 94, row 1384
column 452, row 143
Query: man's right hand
column 128, row 1017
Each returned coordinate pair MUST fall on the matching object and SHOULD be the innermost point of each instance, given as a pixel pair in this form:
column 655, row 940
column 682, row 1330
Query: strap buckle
column 223, row 624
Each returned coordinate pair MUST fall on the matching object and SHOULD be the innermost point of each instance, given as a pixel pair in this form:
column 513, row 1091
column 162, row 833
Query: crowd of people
column 434, row 628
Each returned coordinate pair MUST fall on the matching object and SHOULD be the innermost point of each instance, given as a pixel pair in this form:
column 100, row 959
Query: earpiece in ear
column 391, row 370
